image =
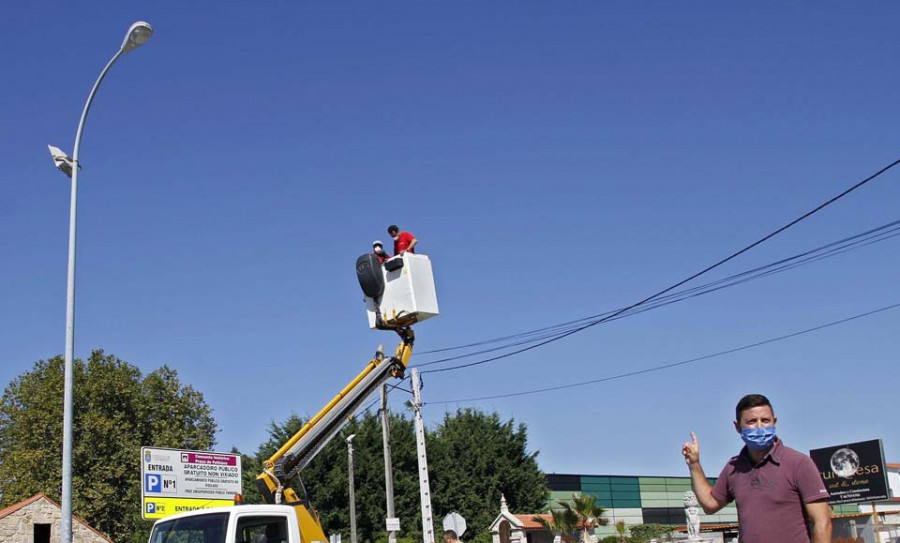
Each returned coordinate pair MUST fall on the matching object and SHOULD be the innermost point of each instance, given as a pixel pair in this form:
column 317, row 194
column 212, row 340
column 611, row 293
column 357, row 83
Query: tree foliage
column 579, row 514
column 473, row 458
column 642, row 533
column 588, row 513
column 116, row 411
column 562, row 522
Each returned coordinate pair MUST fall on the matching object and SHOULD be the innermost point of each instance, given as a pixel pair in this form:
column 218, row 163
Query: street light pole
column 137, row 35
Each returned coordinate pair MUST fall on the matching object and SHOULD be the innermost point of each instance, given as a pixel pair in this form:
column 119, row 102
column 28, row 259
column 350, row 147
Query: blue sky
column 555, row 160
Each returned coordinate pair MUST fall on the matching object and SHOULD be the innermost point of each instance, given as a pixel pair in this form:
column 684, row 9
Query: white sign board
column 393, row 524
column 174, row 481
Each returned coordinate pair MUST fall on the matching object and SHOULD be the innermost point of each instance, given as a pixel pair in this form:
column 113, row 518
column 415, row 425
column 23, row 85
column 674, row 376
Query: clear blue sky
column 555, row 160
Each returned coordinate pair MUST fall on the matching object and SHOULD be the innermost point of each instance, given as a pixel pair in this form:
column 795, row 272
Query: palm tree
column 620, row 531
column 562, row 522
column 582, row 512
column 588, row 513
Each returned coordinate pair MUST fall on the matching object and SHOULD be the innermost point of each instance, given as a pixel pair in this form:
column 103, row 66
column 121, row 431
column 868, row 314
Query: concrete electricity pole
column 388, row 467
column 424, row 487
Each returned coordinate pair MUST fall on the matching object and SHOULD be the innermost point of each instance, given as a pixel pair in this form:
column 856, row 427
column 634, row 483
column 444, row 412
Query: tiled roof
column 851, row 515
column 5, row 512
column 529, row 523
column 708, row 527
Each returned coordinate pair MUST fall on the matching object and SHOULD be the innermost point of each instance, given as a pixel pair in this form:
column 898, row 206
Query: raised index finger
column 694, row 438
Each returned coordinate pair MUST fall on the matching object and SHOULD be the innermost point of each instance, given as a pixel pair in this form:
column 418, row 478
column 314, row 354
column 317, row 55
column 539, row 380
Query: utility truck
column 397, row 295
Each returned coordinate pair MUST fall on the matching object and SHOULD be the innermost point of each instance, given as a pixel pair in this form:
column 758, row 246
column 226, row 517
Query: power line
column 683, row 281
column 392, row 386
column 674, row 364
column 874, row 235
column 848, row 243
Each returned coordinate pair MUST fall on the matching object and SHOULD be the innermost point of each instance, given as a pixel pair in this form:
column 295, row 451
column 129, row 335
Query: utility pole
column 424, row 487
column 388, row 468
column 352, row 488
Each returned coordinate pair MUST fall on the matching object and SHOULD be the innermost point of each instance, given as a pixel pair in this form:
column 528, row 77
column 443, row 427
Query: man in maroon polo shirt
column 777, row 489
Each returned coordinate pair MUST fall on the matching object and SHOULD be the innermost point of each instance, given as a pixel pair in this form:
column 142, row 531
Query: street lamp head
column 138, row 34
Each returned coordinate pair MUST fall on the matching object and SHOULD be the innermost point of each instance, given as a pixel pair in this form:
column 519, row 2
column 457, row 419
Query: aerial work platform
column 408, row 296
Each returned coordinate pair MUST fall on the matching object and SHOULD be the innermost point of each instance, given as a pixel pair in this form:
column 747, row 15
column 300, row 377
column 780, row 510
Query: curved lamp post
column 138, row 34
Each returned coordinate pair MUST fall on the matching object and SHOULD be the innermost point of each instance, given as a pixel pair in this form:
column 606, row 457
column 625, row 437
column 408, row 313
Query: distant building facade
column 861, row 523
column 38, row 520
column 659, row 500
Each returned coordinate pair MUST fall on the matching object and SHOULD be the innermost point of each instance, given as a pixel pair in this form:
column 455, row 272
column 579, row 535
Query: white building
column 881, row 527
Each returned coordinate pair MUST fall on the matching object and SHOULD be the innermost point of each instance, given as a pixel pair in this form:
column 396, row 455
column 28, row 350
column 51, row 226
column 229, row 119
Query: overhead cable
column 673, row 364
column 828, row 250
column 683, row 281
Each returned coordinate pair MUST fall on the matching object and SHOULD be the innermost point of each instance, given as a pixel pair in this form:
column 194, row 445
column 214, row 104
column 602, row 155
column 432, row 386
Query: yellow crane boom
column 285, row 465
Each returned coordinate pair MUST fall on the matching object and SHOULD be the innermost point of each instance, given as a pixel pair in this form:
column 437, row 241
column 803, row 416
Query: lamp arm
column 90, row 99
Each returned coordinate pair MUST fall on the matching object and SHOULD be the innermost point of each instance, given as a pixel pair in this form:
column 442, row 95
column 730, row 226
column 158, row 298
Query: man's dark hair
column 748, row 401
column 452, row 534
column 393, row 228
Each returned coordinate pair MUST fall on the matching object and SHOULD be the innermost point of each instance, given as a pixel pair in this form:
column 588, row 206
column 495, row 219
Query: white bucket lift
column 409, row 294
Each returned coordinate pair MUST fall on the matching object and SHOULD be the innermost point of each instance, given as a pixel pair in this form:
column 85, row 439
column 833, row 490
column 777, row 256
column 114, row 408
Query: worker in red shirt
column 378, row 250
column 403, row 241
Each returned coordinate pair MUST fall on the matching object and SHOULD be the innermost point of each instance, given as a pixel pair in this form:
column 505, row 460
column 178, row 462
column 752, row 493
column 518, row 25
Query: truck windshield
column 208, row 528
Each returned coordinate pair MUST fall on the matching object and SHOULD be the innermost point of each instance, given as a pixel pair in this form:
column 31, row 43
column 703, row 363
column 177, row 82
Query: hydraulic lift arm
column 285, row 465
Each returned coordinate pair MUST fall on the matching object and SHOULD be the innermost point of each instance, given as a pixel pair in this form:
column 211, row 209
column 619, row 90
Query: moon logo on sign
column 844, row 462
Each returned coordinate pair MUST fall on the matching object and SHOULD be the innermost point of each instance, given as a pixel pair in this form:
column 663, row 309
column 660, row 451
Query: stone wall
column 18, row 527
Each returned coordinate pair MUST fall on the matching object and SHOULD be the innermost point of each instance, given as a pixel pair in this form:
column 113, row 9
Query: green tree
column 579, row 514
column 642, row 533
column 325, row 478
column 251, row 465
column 116, row 411
column 621, row 531
column 562, row 522
column 474, row 459
column 588, row 513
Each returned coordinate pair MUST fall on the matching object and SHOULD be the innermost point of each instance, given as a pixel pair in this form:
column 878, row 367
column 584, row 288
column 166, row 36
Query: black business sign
column 853, row 472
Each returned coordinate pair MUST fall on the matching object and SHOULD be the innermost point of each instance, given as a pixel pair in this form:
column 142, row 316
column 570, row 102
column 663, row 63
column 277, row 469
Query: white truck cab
column 237, row 524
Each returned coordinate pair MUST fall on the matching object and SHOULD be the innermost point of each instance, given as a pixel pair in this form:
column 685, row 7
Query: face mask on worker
column 379, row 249
column 759, row 439
column 397, row 237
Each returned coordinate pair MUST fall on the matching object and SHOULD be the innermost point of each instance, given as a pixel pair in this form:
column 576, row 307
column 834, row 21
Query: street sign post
column 174, row 481
column 454, row 521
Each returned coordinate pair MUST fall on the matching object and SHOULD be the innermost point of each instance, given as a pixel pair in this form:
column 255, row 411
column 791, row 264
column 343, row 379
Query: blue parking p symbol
column 151, row 507
column 153, row 482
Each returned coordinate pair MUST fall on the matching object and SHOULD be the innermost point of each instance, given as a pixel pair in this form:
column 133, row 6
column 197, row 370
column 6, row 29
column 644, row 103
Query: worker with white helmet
column 378, row 249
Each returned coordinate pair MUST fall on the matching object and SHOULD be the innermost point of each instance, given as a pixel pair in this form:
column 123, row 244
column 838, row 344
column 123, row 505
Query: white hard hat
column 377, row 242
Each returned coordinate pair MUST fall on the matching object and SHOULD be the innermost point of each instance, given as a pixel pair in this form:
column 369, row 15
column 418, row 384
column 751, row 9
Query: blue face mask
column 759, row 439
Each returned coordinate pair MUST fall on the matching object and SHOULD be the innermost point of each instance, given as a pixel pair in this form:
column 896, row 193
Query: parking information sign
column 175, row 481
